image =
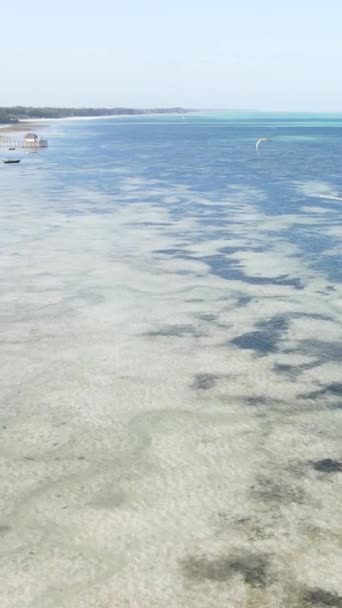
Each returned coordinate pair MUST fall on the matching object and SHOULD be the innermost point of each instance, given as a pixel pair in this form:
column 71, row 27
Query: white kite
column 259, row 142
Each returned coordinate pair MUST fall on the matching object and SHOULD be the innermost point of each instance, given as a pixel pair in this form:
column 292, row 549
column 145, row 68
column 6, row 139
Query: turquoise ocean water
column 171, row 354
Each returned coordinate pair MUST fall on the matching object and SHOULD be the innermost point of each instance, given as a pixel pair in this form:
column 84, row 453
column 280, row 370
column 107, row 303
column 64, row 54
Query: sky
column 241, row 54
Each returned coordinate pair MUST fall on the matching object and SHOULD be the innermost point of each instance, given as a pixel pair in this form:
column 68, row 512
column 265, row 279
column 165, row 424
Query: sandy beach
column 24, row 126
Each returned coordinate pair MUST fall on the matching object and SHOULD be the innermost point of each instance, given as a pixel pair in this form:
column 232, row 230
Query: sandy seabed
column 169, row 436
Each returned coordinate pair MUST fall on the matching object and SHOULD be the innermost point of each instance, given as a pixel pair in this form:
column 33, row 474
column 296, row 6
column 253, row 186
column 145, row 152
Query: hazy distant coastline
column 16, row 113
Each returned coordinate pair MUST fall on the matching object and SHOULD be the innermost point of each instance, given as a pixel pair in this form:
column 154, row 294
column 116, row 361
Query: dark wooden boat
column 11, row 148
column 11, row 162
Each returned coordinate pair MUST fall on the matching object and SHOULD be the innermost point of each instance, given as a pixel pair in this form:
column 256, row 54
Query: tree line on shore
column 15, row 113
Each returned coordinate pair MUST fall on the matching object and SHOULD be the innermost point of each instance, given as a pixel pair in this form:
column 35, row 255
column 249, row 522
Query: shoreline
column 19, row 128
column 29, row 124
column 115, row 116
column 26, row 124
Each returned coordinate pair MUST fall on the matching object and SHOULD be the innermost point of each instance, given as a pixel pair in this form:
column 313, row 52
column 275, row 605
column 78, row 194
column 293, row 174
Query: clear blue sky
column 262, row 54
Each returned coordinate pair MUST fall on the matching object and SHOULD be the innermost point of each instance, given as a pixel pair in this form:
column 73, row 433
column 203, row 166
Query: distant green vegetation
column 19, row 112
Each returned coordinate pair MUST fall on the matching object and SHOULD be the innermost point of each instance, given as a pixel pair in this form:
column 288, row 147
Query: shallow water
column 171, row 392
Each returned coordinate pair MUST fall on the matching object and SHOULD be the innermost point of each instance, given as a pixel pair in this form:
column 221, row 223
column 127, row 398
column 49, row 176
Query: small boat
column 11, row 161
column 11, row 148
